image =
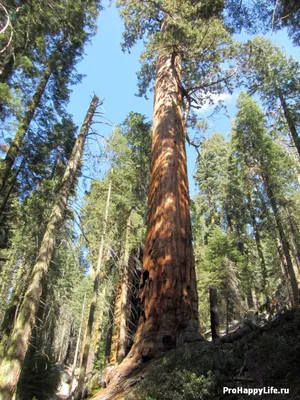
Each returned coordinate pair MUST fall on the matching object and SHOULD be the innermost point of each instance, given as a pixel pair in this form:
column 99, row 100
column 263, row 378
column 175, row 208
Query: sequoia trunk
column 12, row 363
column 168, row 291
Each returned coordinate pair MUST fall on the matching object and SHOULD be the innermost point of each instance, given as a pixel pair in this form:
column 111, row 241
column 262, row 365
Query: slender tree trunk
column 116, row 330
column 77, row 345
column 259, row 249
column 168, row 290
column 12, row 363
column 254, row 298
column 14, row 149
column 214, row 313
column 283, row 239
column 11, row 312
column 227, row 315
column 284, row 269
column 125, row 292
column 289, row 119
column 88, row 338
column 109, row 331
column 295, row 238
column 6, row 196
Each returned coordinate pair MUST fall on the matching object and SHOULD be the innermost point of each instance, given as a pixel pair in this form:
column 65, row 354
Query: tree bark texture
column 12, row 363
column 168, row 293
column 88, row 338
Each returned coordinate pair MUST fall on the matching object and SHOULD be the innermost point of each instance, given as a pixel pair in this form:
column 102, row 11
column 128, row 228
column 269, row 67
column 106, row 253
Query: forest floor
column 266, row 357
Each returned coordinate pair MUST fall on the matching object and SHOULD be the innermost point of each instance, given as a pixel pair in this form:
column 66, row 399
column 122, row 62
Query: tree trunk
column 7, row 164
column 214, row 313
column 88, row 338
column 6, row 196
column 295, row 238
column 289, row 119
column 283, row 239
column 77, row 345
column 125, row 301
column 18, row 344
column 168, row 290
column 13, row 307
column 14, row 149
column 254, row 299
column 259, row 250
column 284, row 269
column 109, row 330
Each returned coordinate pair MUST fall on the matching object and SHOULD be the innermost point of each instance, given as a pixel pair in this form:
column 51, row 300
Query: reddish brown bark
column 168, row 285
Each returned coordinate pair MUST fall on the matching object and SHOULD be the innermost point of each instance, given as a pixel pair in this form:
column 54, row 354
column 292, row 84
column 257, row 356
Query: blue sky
column 111, row 74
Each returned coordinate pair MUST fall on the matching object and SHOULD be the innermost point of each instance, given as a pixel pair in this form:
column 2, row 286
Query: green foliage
column 5, row 94
column 39, row 379
column 264, row 15
column 269, row 72
column 129, row 148
column 201, row 370
column 194, row 30
column 189, row 373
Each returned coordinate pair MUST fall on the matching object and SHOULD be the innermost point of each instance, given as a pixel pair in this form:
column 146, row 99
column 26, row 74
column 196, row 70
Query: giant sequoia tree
column 185, row 43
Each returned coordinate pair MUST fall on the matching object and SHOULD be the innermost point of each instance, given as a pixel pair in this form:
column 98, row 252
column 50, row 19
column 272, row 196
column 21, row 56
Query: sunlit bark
column 168, row 291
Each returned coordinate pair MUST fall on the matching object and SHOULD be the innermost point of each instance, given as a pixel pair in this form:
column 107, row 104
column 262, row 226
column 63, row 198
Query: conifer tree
column 178, row 36
column 17, row 346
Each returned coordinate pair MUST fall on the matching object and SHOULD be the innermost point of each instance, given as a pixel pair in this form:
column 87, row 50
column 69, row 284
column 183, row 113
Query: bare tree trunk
column 125, row 301
column 88, row 338
column 284, row 269
column 116, row 329
column 12, row 363
column 254, row 298
column 168, row 290
column 214, row 313
column 109, row 331
column 9, row 191
column 77, row 345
